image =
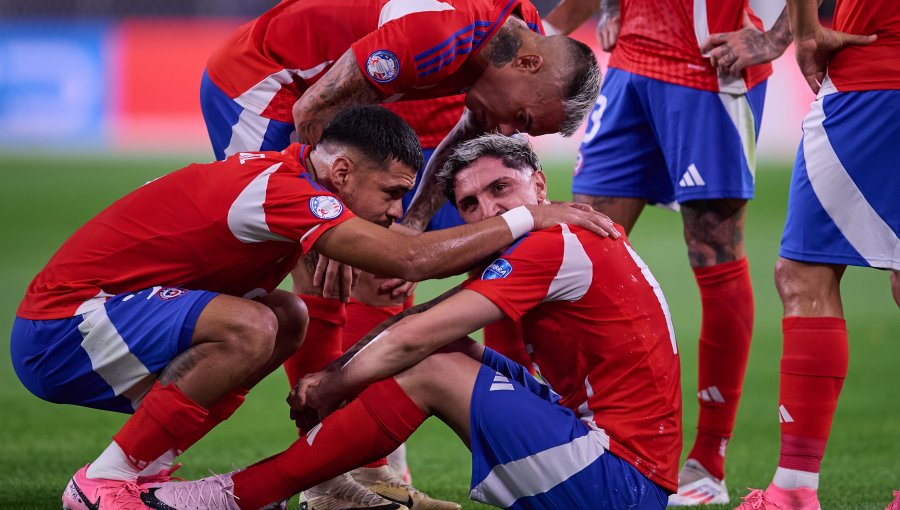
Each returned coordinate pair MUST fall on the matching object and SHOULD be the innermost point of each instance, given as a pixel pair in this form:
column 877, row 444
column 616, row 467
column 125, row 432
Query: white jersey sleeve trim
column 576, row 272
column 247, row 215
column 396, row 9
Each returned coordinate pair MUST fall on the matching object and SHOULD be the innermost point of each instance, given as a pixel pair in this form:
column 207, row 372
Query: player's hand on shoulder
column 573, row 213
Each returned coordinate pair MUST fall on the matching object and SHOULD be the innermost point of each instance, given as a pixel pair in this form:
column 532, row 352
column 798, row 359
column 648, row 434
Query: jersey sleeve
column 417, row 50
column 520, row 279
column 298, row 210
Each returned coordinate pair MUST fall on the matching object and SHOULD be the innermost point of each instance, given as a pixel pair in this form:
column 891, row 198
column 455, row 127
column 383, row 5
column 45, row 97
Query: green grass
column 43, row 200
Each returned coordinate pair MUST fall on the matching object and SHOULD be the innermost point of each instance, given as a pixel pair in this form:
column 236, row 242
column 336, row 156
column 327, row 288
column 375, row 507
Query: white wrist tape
column 519, row 220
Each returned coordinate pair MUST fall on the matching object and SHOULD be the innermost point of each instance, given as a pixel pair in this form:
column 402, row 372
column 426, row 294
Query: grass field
column 43, row 200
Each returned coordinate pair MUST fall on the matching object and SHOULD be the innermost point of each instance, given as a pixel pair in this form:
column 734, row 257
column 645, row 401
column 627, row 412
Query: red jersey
column 661, row 39
column 409, row 49
column 875, row 66
column 431, row 119
column 236, row 226
column 598, row 330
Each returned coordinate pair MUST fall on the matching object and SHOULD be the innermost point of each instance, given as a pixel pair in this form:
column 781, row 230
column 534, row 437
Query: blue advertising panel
column 53, row 84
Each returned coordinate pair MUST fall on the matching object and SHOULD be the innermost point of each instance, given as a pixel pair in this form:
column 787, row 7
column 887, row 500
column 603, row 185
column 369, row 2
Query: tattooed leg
column 714, row 230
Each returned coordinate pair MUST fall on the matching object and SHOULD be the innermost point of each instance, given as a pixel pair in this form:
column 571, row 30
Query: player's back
column 661, row 39
column 868, row 67
column 230, row 226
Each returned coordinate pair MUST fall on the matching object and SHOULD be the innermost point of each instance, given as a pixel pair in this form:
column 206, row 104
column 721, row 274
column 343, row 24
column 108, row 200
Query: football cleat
column 211, row 493
column 163, row 476
column 345, row 493
column 776, row 498
column 83, row 493
column 385, row 482
column 697, row 487
column 895, row 504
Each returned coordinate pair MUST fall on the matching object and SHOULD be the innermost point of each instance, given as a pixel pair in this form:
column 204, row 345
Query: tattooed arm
column 343, row 85
column 732, row 52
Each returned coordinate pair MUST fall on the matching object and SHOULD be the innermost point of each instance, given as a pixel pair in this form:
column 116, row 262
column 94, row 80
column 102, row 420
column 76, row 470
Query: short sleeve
column 304, row 213
column 417, row 50
column 520, row 279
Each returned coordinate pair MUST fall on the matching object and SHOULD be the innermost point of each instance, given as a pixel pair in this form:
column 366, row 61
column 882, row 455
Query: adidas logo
column 691, row 177
column 501, row 383
column 711, row 394
column 784, row 416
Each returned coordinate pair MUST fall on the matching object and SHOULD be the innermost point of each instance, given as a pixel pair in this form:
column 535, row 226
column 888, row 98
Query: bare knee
column 251, row 334
column 895, row 286
column 809, row 290
column 622, row 210
column 292, row 317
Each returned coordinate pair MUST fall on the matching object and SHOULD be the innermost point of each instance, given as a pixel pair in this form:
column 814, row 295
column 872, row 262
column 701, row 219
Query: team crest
column 383, row 66
column 170, row 293
column 326, row 207
column 499, row 268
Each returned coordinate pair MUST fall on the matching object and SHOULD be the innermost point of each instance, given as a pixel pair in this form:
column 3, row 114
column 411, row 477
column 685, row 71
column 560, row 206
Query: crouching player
column 608, row 433
column 164, row 305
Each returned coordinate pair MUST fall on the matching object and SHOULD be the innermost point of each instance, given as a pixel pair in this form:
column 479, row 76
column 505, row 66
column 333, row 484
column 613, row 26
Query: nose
column 489, row 209
column 395, row 210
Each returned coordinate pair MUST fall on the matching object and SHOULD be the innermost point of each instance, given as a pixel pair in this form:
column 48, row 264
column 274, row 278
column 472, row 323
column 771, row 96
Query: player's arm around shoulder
column 447, row 252
column 343, row 85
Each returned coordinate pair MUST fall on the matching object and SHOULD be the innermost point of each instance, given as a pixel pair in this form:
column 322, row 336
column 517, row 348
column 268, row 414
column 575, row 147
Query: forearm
column 364, row 341
column 343, row 85
column 780, row 33
column 804, row 17
column 429, row 197
column 570, row 14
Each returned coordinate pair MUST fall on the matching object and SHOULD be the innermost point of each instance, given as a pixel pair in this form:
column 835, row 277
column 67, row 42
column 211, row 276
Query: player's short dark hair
column 513, row 151
column 581, row 90
column 377, row 132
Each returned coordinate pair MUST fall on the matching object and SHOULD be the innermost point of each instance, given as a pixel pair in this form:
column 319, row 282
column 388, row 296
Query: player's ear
column 340, row 172
column 530, row 62
column 540, row 185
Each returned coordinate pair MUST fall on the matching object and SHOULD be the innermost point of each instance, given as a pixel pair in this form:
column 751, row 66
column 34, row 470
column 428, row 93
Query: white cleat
column 697, row 487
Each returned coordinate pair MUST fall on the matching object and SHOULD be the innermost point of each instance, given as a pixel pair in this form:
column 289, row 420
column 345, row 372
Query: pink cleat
column 895, row 504
column 83, row 493
column 160, row 478
column 776, row 498
column 212, row 493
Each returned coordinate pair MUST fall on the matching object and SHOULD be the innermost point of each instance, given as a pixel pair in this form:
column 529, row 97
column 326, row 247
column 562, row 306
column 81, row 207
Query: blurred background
column 113, row 76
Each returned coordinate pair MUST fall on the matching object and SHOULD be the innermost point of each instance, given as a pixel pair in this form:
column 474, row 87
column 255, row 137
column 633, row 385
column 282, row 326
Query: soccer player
column 842, row 210
column 608, row 433
column 164, row 304
column 675, row 125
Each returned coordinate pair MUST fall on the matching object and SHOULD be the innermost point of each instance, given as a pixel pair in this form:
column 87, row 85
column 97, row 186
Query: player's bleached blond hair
column 513, row 151
column 581, row 90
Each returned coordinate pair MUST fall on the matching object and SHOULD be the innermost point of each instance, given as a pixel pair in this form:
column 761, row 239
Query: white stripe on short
column 111, row 359
column 538, row 473
column 741, row 115
column 848, row 208
column 248, row 134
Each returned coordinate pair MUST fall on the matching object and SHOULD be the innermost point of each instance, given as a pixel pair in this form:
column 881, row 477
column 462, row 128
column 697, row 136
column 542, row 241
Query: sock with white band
column 519, row 220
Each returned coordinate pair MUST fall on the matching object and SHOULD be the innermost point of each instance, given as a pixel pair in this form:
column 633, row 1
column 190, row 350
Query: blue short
column 844, row 203
column 668, row 143
column 445, row 217
column 233, row 129
column 530, row 453
column 107, row 358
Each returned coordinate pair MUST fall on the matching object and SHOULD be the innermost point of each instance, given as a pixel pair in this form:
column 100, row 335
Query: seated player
column 164, row 305
column 608, row 433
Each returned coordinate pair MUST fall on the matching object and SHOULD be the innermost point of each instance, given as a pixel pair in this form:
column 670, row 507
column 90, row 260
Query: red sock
column 165, row 417
column 219, row 412
column 813, row 367
column 726, row 295
column 370, row 427
column 505, row 337
column 363, row 318
column 322, row 344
